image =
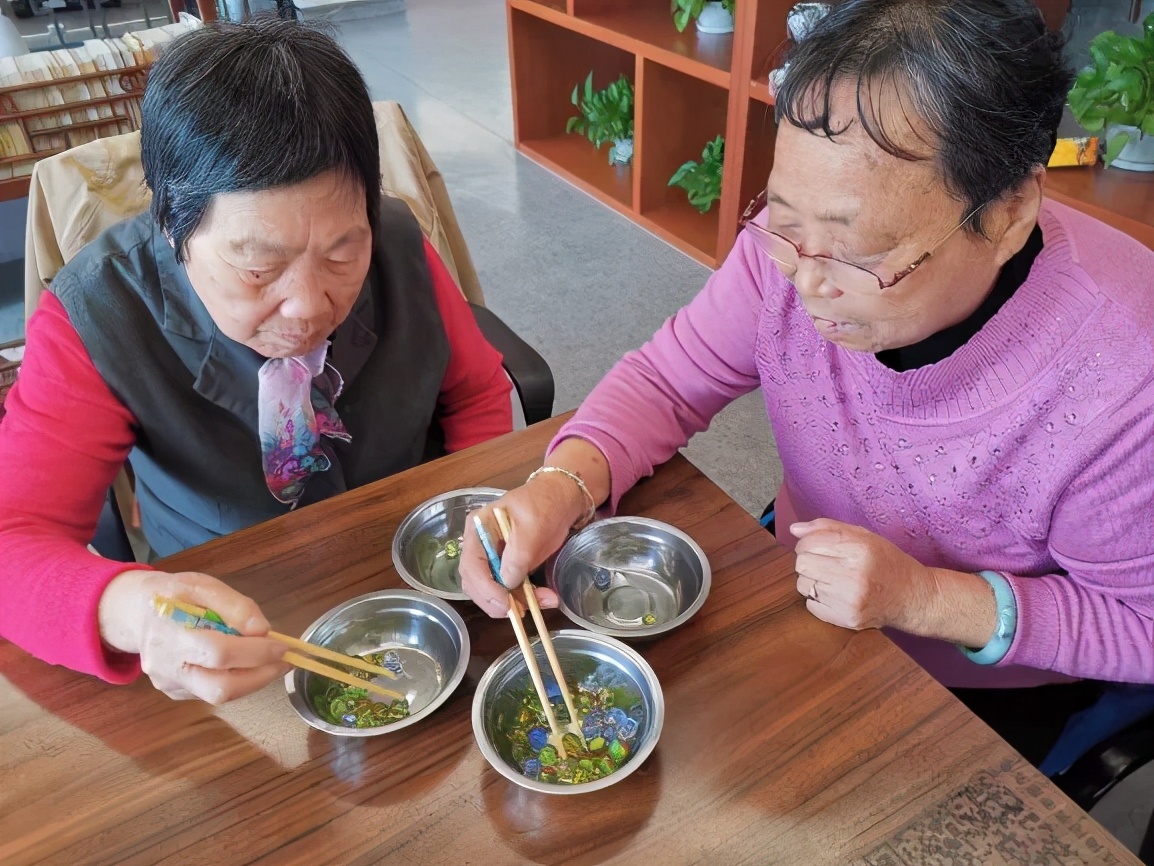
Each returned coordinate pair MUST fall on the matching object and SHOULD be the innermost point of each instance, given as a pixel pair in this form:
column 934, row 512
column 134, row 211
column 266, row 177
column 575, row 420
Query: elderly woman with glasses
column 958, row 373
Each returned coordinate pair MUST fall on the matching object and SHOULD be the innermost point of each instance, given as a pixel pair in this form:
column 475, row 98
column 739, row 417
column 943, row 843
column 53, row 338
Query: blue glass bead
column 349, row 718
column 616, row 716
column 637, row 712
column 538, row 737
column 627, row 730
column 532, row 768
column 590, row 732
column 602, row 579
column 552, row 690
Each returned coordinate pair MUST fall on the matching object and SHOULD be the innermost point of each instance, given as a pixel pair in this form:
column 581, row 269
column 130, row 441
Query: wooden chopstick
column 535, row 675
column 313, row 649
column 313, row 666
column 506, row 529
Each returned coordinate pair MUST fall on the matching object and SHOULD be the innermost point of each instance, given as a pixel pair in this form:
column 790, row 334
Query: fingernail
column 256, row 624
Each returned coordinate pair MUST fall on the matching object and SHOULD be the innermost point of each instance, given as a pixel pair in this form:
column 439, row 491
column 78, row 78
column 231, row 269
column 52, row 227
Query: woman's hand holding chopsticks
column 187, row 663
column 541, row 517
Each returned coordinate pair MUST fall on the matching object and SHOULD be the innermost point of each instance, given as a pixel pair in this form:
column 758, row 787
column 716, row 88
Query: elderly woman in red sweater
column 272, row 333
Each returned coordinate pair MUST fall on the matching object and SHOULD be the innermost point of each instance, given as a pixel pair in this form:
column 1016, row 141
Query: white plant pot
column 1138, row 154
column 714, row 18
column 621, row 152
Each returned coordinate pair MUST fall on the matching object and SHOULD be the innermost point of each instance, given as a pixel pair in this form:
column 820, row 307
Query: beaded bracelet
column 586, row 518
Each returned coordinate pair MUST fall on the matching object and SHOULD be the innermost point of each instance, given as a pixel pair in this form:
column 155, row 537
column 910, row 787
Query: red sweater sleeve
column 475, row 403
column 62, row 441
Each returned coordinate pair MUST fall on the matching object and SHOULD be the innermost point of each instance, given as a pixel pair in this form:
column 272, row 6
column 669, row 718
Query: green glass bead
column 604, row 766
column 618, row 751
column 596, row 744
column 572, row 743
column 586, row 765
column 547, row 756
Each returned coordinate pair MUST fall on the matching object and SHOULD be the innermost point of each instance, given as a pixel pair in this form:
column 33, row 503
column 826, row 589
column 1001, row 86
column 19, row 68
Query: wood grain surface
column 786, row 740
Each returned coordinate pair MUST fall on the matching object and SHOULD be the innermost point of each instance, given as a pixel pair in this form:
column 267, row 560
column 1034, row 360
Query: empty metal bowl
column 587, row 659
column 631, row 577
column 426, row 642
column 426, row 548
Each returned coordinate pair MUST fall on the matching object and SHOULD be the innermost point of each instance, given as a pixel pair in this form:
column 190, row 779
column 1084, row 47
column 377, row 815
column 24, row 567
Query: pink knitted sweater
column 1029, row 451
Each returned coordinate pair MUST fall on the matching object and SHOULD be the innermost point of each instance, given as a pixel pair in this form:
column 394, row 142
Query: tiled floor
column 578, row 281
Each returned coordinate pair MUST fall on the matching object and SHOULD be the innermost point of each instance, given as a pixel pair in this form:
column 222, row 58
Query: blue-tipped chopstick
column 490, row 549
column 556, row 731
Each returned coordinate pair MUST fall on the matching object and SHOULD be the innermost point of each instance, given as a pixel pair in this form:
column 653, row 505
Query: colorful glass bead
column 572, row 744
column 602, row 579
column 452, row 548
column 538, row 737
column 552, row 690
column 565, row 772
column 627, row 730
column 392, row 663
column 349, row 719
column 648, row 619
column 532, row 768
column 616, row 716
column 590, row 733
column 547, row 756
column 637, row 712
column 548, row 774
column 596, row 744
column 618, row 751
column 604, row 766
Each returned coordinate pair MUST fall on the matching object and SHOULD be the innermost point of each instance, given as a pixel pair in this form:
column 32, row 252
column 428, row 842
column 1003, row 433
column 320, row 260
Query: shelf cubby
column 679, row 115
column 548, row 61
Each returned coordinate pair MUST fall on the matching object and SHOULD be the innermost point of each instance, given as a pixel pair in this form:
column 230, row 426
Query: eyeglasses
column 847, row 276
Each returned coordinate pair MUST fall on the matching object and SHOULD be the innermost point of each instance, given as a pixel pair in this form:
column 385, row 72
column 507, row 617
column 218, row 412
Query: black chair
column 529, row 372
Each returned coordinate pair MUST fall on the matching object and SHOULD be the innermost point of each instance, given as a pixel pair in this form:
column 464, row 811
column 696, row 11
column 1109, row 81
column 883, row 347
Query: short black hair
column 253, row 106
column 985, row 76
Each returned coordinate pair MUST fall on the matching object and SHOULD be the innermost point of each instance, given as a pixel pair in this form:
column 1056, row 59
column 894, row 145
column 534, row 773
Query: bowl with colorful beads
column 427, row 544
column 631, row 577
column 618, row 702
column 419, row 639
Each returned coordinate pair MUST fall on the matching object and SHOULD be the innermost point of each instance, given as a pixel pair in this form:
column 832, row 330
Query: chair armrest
column 528, row 370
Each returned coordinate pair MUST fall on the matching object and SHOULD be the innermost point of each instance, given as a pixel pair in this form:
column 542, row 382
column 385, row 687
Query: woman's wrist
column 586, row 461
column 119, row 611
column 959, row 607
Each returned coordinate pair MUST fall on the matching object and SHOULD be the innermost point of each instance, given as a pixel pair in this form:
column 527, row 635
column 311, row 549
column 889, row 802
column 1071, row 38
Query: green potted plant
column 702, row 180
column 1115, row 93
column 712, row 16
column 606, row 116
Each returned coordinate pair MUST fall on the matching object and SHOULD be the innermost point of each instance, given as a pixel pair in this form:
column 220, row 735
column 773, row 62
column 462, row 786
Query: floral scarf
column 295, row 401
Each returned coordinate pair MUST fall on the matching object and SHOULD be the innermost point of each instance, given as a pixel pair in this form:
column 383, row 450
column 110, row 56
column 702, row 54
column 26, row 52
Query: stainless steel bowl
column 428, row 637
column 583, row 655
column 631, row 577
column 423, row 552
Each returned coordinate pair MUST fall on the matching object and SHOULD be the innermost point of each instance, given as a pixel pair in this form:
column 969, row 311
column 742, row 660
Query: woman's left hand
column 856, row 579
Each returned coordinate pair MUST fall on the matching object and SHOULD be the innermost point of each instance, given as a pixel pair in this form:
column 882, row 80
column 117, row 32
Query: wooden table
column 786, row 740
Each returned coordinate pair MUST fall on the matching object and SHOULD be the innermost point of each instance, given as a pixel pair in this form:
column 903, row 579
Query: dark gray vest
column 193, row 391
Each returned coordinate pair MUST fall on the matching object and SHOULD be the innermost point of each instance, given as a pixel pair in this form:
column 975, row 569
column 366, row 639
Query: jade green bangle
column 997, row 647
